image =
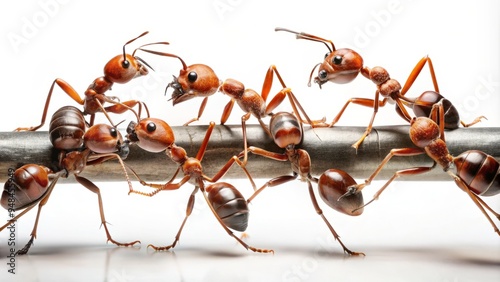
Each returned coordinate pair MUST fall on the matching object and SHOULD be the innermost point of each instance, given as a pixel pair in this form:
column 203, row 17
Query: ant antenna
column 303, row 35
column 125, row 62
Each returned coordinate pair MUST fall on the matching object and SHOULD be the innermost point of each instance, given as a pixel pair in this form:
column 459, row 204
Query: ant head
column 103, row 139
column 123, row 68
column 197, row 80
column 423, row 131
column 334, row 184
column 285, row 129
column 340, row 66
column 151, row 134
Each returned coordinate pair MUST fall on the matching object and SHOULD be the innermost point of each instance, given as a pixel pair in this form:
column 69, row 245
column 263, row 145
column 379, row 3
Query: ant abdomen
column 333, row 184
column 229, row 204
column 451, row 115
column 25, row 186
column 479, row 171
column 285, row 129
column 67, row 128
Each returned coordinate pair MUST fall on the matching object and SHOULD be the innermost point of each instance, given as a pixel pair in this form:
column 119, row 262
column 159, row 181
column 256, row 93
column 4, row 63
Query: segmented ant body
column 32, row 184
column 332, row 184
column 200, row 80
column 343, row 66
column 224, row 200
column 475, row 172
column 120, row 69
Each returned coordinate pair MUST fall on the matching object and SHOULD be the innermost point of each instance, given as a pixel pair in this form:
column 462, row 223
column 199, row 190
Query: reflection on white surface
column 98, row 263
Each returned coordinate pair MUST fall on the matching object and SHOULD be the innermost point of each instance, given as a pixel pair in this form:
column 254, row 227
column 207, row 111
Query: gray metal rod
column 328, row 148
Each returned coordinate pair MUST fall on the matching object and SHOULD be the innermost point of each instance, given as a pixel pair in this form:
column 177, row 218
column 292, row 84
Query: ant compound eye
column 151, row 127
column 322, row 74
column 337, row 60
column 192, row 76
column 125, row 64
column 113, row 132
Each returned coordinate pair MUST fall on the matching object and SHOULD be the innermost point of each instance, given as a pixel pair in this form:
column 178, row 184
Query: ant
column 32, row 184
column 120, row 69
column 474, row 171
column 224, row 200
column 200, row 80
column 332, row 184
column 343, row 66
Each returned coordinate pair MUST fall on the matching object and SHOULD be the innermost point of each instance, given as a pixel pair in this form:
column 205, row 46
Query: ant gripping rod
column 328, row 148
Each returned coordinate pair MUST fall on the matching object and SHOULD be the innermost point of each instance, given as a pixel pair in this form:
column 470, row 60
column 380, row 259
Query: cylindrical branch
column 328, row 148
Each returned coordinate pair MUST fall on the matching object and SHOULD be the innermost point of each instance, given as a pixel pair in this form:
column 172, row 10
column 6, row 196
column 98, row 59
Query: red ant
column 475, row 172
column 120, row 69
column 200, row 80
column 332, row 184
column 343, row 66
column 32, row 184
column 155, row 135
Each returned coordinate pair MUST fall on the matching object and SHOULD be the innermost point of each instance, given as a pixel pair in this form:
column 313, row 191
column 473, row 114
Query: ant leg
column 42, row 202
column 271, row 183
column 376, row 104
column 189, row 210
column 404, row 152
column 200, row 112
column 320, row 213
column 476, row 120
column 229, row 232
column 226, row 168
column 484, row 204
column 122, row 107
column 92, row 187
column 297, row 107
column 475, row 198
column 68, row 89
column 227, row 112
column 409, row 171
column 416, row 71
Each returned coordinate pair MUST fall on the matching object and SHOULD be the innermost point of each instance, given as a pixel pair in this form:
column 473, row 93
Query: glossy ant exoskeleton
column 343, row 66
column 332, row 184
column 120, row 69
column 199, row 80
column 474, row 171
column 156, row 135
column 32, row 184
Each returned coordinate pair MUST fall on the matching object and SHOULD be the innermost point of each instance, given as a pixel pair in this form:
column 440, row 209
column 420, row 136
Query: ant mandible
column 332, row 184
column 343, row 66
column 155, row 135
column 32, row 184
column 474, row 171
column 120, row 69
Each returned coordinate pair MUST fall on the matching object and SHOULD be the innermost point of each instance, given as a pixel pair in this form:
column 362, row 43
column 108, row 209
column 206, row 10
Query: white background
column 416, row 231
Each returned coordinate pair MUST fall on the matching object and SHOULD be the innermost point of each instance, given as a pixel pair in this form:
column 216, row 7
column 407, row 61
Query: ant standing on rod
column 225, row 201
column 32, row 184
column 120, row 69
column 287, row 133
column 343, row 66
column 475, row 172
